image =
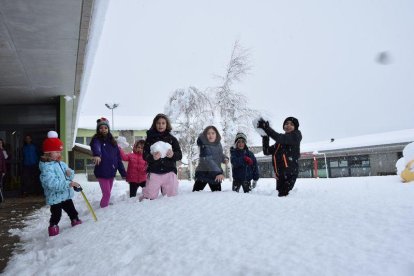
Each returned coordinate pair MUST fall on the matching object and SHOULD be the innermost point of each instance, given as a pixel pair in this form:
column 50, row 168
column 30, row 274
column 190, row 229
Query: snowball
column 258, row 130
column 400, row 165
column 52, row 134
column 122, row 142
column 160, row 147
column 408, row 153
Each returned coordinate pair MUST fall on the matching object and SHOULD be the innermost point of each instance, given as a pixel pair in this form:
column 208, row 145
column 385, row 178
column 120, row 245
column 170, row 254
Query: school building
column 368, row 155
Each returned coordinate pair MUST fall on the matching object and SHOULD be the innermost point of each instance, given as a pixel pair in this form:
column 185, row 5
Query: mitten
column 262, row 124
column 248, row 160
column 77, row 189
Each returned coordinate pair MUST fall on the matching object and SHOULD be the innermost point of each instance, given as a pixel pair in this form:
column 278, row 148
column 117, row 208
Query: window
column 79, row 140
column 88, row 140
column 359, row 161
column 338, row 162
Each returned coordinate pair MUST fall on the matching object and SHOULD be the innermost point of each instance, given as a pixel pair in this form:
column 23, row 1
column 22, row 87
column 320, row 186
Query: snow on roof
column 86, row 147
column 121, row 122
column 386, row 138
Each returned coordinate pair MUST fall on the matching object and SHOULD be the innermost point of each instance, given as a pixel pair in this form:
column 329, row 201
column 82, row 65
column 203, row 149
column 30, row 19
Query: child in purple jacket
column 107, row 159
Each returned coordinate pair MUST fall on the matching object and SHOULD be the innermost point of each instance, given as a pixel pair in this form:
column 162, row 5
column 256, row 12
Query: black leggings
column 200, row 185
column 133, row 188
column 56, row 210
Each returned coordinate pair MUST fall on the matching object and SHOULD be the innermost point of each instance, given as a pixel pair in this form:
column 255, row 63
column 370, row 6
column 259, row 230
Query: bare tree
column 233, row 107
column 190, row 110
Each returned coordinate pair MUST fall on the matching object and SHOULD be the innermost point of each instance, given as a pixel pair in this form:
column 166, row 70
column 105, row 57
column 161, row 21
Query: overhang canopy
column 42, row 50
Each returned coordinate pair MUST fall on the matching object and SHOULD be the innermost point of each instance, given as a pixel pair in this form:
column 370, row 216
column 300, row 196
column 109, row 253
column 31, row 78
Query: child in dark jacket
column 137, row 167
column 57, row 181
column 244, row 165
column 285, row 152
column 162, row 170
column 107, row 159
column 209, row 169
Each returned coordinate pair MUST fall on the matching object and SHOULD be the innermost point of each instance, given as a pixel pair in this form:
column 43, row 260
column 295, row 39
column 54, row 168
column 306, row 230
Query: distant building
column 368, row 155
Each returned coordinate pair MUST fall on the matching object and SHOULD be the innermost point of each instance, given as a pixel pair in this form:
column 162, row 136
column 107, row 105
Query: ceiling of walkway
column 42, row 45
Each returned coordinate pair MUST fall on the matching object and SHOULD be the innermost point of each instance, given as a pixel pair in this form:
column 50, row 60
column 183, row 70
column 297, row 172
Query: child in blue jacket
column 57, row 182
column 244, row 165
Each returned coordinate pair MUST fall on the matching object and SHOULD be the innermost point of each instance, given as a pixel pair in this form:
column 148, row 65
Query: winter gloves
column 254, row 183
column 248, row 160
column 78, row 189
column 263, row 124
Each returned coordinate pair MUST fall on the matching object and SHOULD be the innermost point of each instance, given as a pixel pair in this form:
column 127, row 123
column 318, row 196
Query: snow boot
column 53, row 230
column 75, row 222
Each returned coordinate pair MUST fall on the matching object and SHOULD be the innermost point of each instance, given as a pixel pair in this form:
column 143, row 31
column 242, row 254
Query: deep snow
column 343, row 226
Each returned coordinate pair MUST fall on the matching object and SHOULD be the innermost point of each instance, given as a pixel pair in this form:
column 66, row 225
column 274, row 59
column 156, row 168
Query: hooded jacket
column 55, row 182
column 242, row 171
column 211, row 157
column 111, row 160
column 137, row 166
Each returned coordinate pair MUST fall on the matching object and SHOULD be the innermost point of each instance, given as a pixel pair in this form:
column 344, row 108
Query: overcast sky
column 315, row 60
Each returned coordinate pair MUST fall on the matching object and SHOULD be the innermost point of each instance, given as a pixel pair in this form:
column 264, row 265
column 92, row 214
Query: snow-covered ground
column 343, row 226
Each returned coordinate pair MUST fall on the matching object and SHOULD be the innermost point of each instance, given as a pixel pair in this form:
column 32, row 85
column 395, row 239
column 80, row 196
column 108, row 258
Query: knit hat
column 52, row 142
column 239, row 136
column 102, row 122
column 293, row 120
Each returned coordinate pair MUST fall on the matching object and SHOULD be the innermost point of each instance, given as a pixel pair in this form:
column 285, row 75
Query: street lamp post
column 112, row 107
column 326, row 164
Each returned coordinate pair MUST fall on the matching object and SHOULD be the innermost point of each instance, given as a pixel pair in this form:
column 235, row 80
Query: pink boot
column 53, row 230
column 76, row 222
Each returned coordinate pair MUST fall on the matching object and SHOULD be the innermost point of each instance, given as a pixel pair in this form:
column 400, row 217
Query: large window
column 338, row 162
column 306, row 168
column 79, row 140
column 359, row 161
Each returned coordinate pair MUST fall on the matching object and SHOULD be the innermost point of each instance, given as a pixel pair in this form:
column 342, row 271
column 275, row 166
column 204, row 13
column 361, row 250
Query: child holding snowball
column 161, row 151
column 285, row 152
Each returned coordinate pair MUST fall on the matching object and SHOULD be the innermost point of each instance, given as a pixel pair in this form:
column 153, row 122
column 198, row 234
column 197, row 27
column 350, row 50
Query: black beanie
column 293, row 120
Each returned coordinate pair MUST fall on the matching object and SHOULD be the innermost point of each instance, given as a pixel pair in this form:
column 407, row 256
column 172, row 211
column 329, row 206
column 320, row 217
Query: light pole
column 326, row 164
column 112, row 107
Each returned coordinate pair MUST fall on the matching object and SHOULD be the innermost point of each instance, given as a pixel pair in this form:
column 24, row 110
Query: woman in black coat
column 285, row 152
column 209, row 169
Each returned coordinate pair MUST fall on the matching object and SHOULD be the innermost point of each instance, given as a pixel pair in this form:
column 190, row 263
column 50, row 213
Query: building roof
column 121, row 122
column 378, row 139
column 371, row 140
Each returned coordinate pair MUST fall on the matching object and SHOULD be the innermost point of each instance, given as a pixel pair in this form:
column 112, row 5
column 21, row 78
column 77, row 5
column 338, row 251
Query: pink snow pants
column 106, row 188
column 168, row 182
